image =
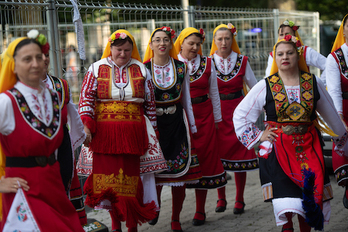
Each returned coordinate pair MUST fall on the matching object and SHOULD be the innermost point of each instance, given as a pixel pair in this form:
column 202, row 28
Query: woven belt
column 200, row 99
column 345, row 95
column 289, row 129
column 31, row 161
column 167, row 110
column 230, row 96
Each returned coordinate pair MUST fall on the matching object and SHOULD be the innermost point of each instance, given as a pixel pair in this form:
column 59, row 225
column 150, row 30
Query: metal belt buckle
column 41, row 160
column 302, row 129
column 51, row 159
column 288, row 130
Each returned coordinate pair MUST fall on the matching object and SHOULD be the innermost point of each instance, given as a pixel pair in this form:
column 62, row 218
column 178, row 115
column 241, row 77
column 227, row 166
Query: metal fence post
column 185, row 7
column 192, row 22
column 53, row 37
column 276, row 23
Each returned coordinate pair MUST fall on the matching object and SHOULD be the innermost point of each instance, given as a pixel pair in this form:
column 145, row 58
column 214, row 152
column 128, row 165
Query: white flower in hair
column 33, row 34
column 286, row 22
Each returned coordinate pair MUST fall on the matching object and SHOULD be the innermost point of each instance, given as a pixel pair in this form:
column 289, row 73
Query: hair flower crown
column 296, row 41
column 291, row 24
column 168, row 31
column 232, row 29
column 116, row 36
column 40, row 38
column 201, row 31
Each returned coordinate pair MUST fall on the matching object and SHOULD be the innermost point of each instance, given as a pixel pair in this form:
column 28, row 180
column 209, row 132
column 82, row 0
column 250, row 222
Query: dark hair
column 120, row 42
column 153, row 34
column 196, row 34
column 345, row 20
column 23, row 43
column 282, row 26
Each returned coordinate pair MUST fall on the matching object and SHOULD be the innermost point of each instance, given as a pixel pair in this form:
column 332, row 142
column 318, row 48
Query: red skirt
column 116, row 178
column 46, row 197
column 204, row 142
column 234, row 155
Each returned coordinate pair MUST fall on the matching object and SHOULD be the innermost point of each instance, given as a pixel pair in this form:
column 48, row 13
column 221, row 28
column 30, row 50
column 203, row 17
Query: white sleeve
column 77, row 133
column 249, row 76
column 186, row 102
column 314, row 58
column 269, row 65
column 214, row 94
column 247, row 113
column 333, row 82
column 7, row 121
column 326, row 109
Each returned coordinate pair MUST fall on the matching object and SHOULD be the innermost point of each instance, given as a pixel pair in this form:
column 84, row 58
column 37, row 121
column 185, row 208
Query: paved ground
column 258, row 215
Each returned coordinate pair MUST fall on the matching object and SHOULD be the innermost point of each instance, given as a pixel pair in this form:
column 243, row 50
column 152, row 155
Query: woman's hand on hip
column 269, row 135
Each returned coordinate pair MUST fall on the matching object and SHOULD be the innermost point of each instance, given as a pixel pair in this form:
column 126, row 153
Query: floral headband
column 232, row 29
column 168, row 31
column 116, row 36
column 296, row 41
column 41, row 39
column 201, row 31
column 291, row 24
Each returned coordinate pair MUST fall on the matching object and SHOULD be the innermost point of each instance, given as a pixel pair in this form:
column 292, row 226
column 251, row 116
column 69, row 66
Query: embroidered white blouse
column 250, row 108
column 225, row 66
column 40, row 104
column 164, row 77
column 192, row 66
column 334, row 81
column 313, row 58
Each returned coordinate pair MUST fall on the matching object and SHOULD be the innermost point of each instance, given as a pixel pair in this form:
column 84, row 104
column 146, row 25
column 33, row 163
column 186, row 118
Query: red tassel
column 90, row 123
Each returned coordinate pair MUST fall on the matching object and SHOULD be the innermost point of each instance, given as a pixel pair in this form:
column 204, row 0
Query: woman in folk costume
column 116, row 95
column 233, row 70
column 337, row 85
column 312, row 57
column 73, row 138
column 173, row 103
column 207, row 112
column 292, row 169
column 31, row 128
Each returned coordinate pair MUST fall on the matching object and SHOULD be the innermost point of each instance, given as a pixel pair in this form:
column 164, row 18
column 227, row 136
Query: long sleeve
column 149, row 103
column 87, row 99
column 247, row 113
column 7, row 122
column 214, row 94
column 314, row 58
column 249, row 76
column 333, row 82
column 186, row 102
column 269, row 65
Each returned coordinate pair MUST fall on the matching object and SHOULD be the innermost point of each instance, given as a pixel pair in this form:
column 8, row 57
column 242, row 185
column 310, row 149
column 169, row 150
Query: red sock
column 115, row 223
column 221, row 195
column 133, row 229
column 201, row 195
column 159, row 190
column 178, row 197
column 289, row 223
column 304, row 227
column 240, row 179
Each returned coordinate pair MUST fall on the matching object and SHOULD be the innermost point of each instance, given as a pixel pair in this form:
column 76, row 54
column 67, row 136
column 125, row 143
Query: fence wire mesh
column 256, row 28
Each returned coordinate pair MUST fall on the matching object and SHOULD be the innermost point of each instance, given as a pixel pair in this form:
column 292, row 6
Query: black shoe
column 221, row 209
column 237, row 210
column 345, row 200
column 287, row 229
column 178, row 228
column 197, row 222
column 155, row 220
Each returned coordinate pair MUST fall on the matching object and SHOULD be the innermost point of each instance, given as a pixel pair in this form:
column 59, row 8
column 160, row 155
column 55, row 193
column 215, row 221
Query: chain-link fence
column 257, row 28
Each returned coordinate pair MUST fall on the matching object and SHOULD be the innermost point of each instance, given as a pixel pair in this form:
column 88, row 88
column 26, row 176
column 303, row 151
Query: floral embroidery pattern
column 201, row 69
column 48, row 131
column 176, row 165
column 342, row 60
column 249, row 135
column 233, row 73
column 240, row 165
column 341, row 173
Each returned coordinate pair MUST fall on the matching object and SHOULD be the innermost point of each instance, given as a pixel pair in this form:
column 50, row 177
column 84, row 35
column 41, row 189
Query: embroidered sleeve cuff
column 89, row 122
column 250, row 136
column 341, row 145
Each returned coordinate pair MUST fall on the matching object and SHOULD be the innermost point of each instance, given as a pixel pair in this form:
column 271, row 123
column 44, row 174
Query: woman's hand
column 269, row 135
column 88, row 136
column 10, row 184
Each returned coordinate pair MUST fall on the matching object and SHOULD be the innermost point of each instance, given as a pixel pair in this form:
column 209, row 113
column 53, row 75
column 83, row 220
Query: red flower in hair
column 168, row 31
column 288, row 37
column 233, row 30
column 295, row 28
column 298, row 43
column 201, row 31
column 45, row 48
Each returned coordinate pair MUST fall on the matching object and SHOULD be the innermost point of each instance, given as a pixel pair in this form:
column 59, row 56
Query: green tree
column 328, row 9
